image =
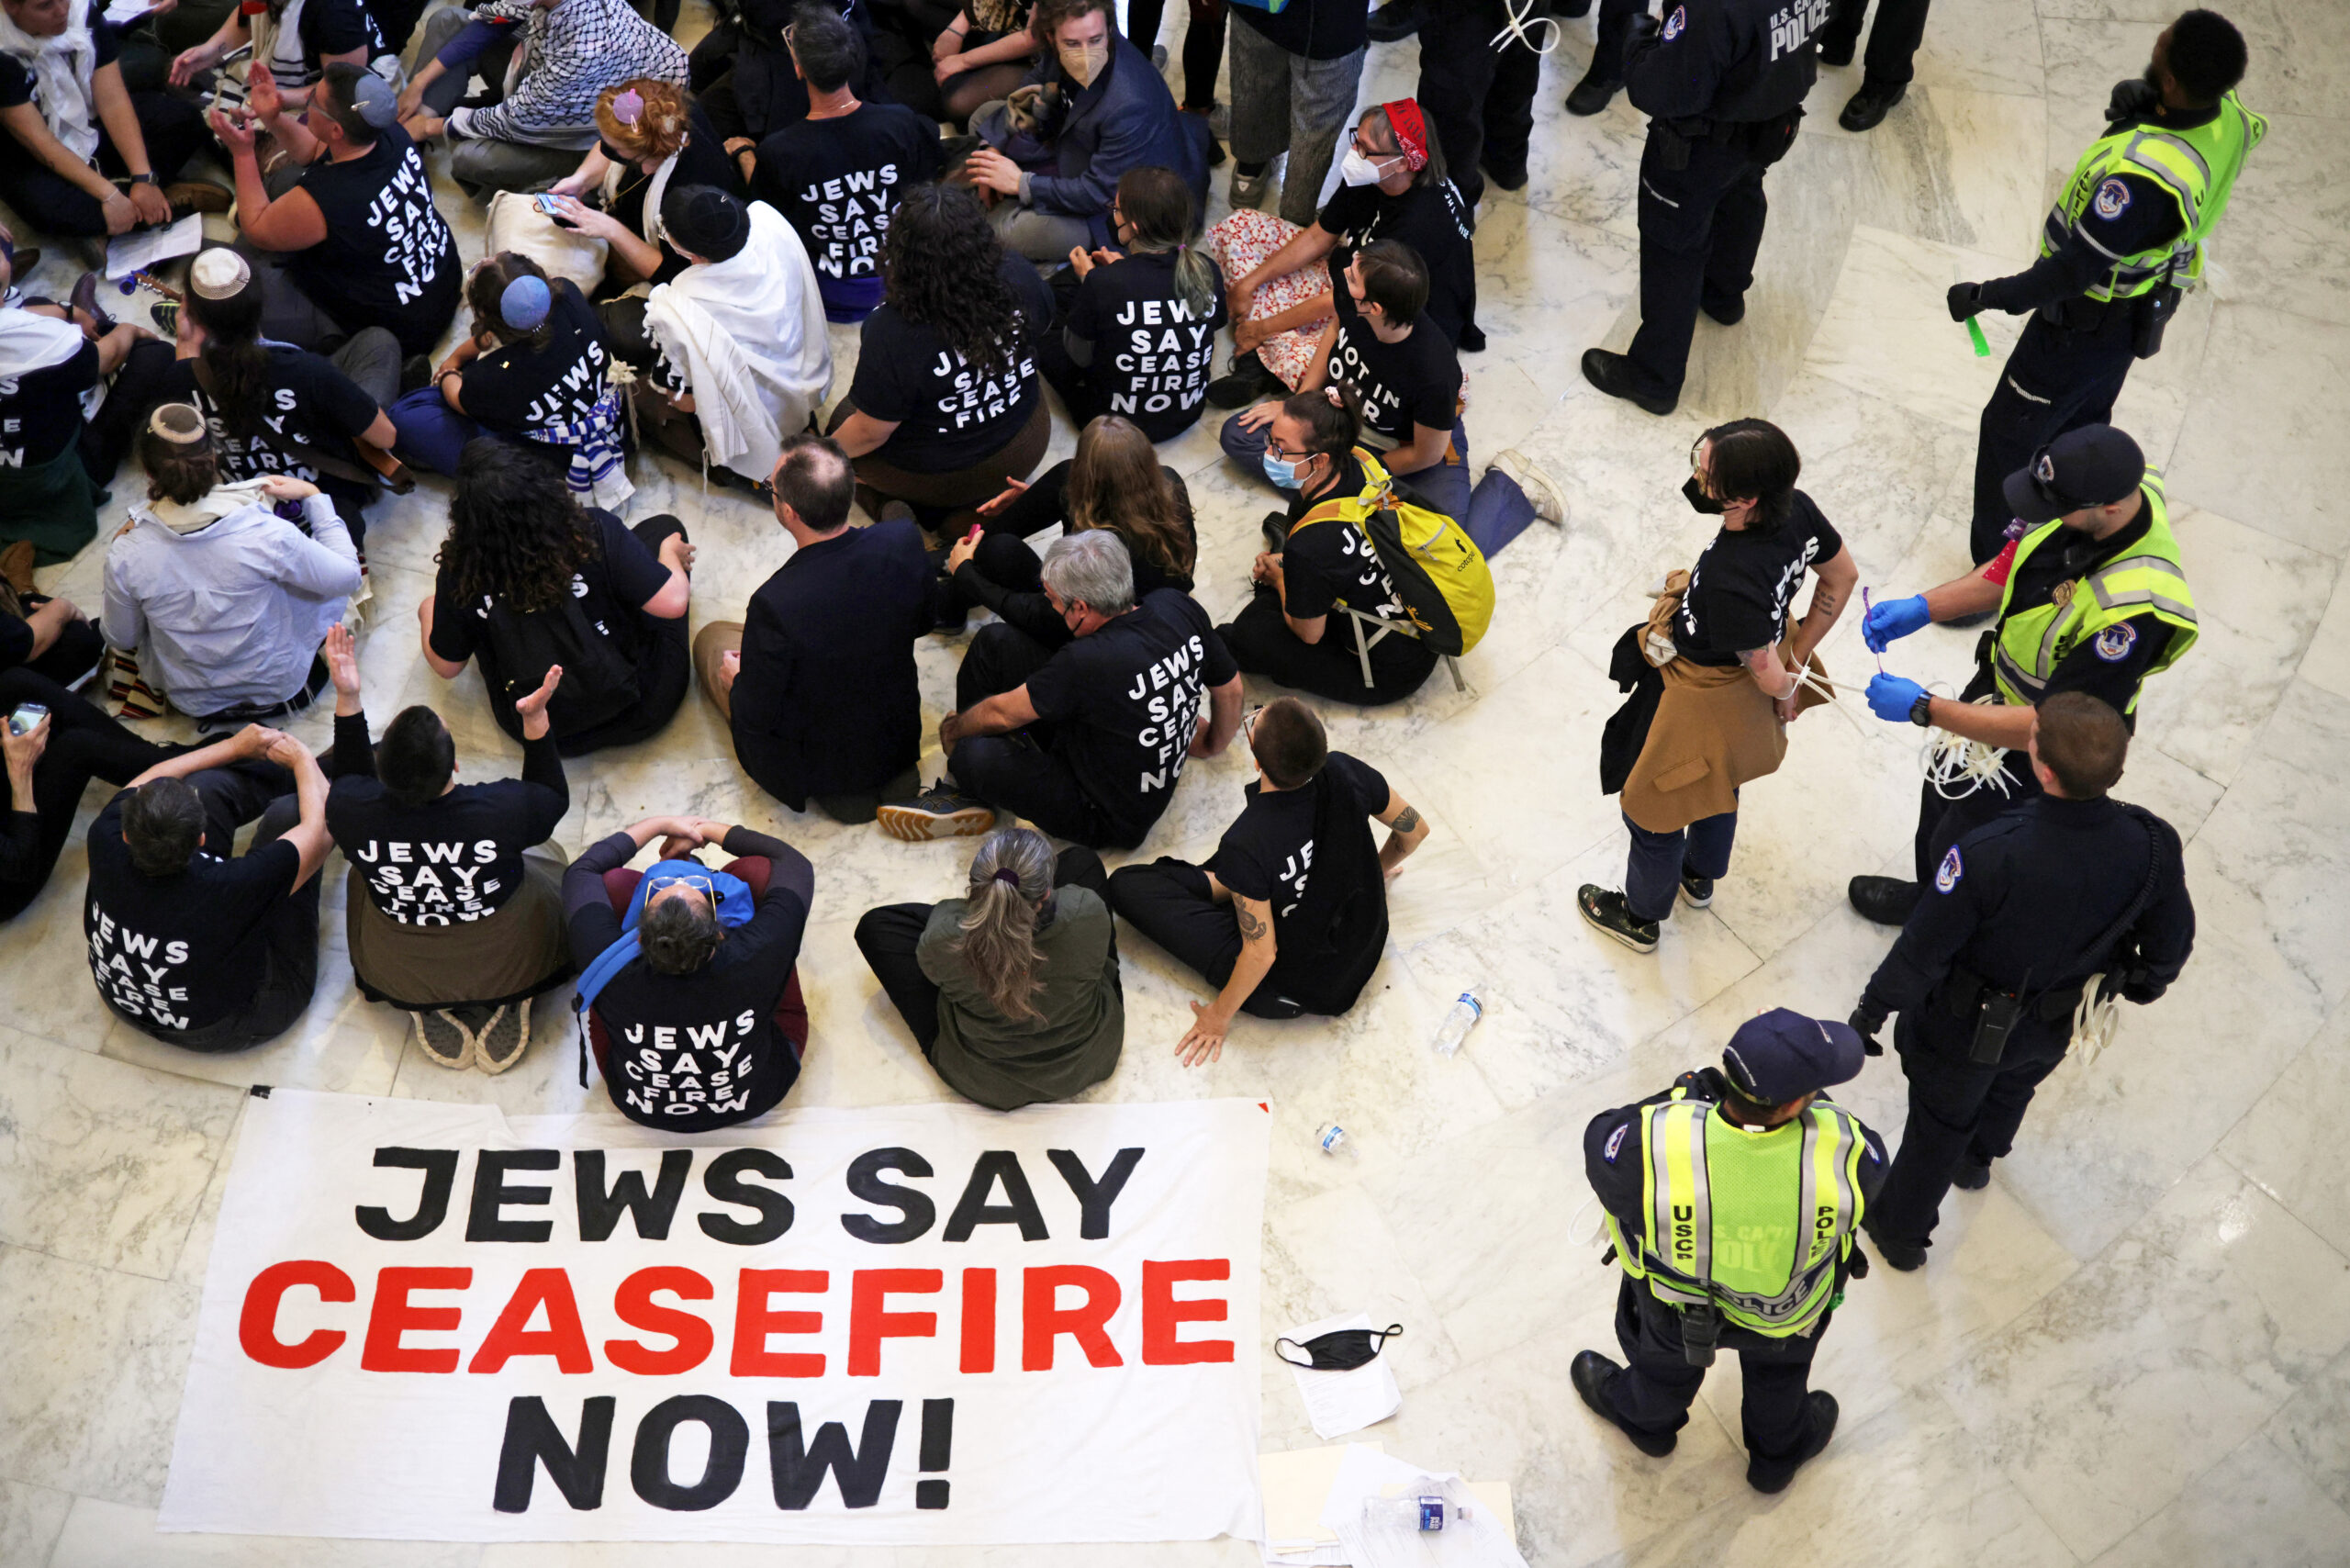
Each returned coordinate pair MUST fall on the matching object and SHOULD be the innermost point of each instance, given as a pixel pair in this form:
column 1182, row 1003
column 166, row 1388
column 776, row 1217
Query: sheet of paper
column 1342, row 1401
column 1294, row 1485
column 126, row 254
column 122, row 12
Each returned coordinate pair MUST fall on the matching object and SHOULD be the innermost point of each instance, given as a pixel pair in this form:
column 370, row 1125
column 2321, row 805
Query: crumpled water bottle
column 1458, row 1022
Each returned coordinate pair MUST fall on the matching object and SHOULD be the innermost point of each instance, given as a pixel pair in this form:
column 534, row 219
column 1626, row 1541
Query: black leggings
column 1169, row 902
column 83, row 743
column 1202, row 45
column 889, row 936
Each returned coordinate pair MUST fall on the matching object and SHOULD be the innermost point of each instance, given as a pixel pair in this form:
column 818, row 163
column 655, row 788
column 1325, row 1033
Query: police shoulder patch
column 1676, row 23
column 1952, row 869
column 2112, row 199
column 1615, row 1143
column 2113, row 644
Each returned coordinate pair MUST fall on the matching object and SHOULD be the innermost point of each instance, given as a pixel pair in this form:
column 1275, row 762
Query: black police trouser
column 1657, row 1385
column 2056, row 380
column 1699, row 229
column 1941, row 823
column 1957, row 1109
column 1479, row 99
column 1892, row 42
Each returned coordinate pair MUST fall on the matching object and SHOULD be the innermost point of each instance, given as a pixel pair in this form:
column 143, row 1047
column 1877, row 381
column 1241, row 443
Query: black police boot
column 1871, row 104
column 1612, row 374
column 1506, row 176
column 1606, row 74
column 1394, row 21
column 1728, row 312
column 1773, row 1474
column 1904, row 1256
column 1972, row 1175
column 1886, row 900
column 1591, row 1373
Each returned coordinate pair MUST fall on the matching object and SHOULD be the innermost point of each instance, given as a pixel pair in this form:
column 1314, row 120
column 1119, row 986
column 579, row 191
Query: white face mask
column 1358, row 170
column 1084, row 62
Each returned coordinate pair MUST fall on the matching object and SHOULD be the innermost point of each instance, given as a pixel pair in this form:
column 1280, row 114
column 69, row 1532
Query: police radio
column 1995, row 1023
column 1701, row 1330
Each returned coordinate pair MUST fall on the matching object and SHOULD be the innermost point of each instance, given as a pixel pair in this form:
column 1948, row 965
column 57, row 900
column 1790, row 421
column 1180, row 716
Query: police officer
column 1893, row 48
column 1607, row 71
column 1478, row 73
column 1988, row 973
column 2122, row 238
column 1731, row 1199
column 1723, row 83
column 2093, row 598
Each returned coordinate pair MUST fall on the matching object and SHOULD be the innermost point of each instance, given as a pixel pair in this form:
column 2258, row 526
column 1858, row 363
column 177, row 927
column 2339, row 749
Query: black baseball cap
column 1782, row 1055
column 2092, row 467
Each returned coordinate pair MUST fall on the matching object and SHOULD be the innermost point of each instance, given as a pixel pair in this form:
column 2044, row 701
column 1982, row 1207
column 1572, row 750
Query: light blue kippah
column 525, row 303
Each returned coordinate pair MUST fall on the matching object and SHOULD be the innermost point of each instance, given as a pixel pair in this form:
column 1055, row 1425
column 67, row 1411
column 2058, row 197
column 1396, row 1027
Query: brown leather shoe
column 196, row 196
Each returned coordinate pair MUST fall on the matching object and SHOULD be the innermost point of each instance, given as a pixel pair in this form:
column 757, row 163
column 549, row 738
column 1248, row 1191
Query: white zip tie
column 1598, row 1227
column 2096, row 1022
column 1949, row 760
column 1516, row 17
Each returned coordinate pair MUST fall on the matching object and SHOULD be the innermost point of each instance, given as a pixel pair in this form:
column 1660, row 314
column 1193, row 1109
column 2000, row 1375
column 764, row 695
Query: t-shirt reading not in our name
column 1738, row 590
column 1413, row 382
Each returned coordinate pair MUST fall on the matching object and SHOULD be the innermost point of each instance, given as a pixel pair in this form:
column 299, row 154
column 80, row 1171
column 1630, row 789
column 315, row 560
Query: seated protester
column 1139, row 338
column 536, row 372
column 688, row 974
column 946, row 406
column 354, row 241
column 52, row 463
column 736, row 352
column 838, row 173
column 528, row 581
column 1407, row 379
column 1274, row 940
column 1012, row 990
column 453, row 909
column 979, row 57
column 50, row 638
column 1296, row 630
column 1101, row 108
column 190, row 943
column 652, row 138
column 533, row 132
column 1116, row 482
column 1283, row 279
column 224, row 600
column 293, row 40
column 1086, row 741
column 742, row 68
column 818, row 684
column 74, row 128
column 49, row 767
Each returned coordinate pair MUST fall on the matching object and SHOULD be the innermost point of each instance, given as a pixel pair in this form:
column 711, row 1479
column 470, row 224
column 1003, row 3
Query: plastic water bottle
column 1422, row 1508
column 1331, row 1138
column 1458, row 1022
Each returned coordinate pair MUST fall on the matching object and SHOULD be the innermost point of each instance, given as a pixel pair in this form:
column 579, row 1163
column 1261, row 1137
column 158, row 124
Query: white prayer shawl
column 30, row 342
column 61, row 68
column 648, row 225
column 750, row 335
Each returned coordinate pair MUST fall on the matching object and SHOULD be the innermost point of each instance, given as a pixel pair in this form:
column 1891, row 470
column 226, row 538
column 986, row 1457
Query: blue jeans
column 431, row 435
column 1653, row 872
column 1492, row 512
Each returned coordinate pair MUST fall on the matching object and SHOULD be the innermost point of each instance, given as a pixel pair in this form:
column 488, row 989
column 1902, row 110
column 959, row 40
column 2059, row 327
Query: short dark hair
column 2083, row 742
column 341, row 80
column 1289, row 742
column 1755, row 457
column 1332, row 417
column 814, row 479
column 416, row 757
column 2207, row 57
column 1050, row 16
column 178, row 471
column 678, row 936
column 830, row 53
column 162, row 822
column 1394, row 278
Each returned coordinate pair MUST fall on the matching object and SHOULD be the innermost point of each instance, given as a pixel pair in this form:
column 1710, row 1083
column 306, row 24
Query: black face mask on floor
column 1694, row 494
column 1342, row 1350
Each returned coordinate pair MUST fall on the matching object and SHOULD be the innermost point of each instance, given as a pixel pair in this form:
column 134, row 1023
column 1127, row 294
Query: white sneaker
column 1549, row 501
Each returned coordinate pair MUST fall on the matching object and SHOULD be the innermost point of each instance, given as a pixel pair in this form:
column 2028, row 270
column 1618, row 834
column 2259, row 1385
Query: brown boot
column 196, row 196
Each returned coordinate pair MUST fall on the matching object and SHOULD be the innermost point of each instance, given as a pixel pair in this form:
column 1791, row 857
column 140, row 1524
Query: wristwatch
column 146, row 179
column 1922, row 710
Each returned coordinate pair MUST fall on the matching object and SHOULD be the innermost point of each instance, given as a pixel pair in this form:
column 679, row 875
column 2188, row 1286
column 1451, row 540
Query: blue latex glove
column 1893, row 620
column 1891, row 697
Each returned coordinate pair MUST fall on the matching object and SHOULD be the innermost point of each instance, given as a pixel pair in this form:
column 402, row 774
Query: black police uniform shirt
column 518, row 387
column 949, row 413
column 188, row 950
column 1124, row 701
column 1740, row 588
column 1152, row 350
column 2111, row 666
column 1732, row 62
column 40, row 411
column 1434, row 221
column 1271, row 854
column 691, row 1053
column 1413, row 382
column 307, row 407
column 19, row 85
column 837, row 181
column 458, row 857
column 701, row 162
column 1328, row 563
column 1312, row 29
column 389, row 258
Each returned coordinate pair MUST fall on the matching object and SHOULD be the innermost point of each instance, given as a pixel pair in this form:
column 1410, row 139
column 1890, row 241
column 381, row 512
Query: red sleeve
column 2002, row 563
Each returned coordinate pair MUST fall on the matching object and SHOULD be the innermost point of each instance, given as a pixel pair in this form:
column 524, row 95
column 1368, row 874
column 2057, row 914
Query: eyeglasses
column 1354, row 139
column 1249, row 726
column 701, row 885
column 1274, row 449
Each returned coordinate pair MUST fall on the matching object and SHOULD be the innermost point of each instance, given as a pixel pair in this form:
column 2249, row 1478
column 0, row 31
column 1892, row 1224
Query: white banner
column 915, row 1324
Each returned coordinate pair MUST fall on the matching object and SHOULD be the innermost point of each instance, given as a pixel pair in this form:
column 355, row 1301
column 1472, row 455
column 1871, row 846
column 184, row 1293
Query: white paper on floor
column 1475, row 1535
column 126, row 253
column 1295, row 1485
column 1342, row 1401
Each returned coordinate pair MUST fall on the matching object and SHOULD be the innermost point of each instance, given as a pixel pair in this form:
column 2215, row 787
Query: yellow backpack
column 1439, row 574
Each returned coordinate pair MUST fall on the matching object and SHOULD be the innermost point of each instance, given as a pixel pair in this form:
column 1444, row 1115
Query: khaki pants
column 712, row 644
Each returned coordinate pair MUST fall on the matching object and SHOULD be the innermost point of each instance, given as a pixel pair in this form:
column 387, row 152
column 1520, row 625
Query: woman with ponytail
column 1012, row 990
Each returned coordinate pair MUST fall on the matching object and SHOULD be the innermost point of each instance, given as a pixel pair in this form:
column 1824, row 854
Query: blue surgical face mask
column 1281, row 472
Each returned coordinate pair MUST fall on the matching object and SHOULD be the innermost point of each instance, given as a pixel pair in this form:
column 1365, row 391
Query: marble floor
column 2133, row 1349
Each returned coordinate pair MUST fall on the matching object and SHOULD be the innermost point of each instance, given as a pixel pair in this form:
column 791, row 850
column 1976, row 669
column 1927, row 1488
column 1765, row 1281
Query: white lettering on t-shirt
column 849, row 218
column 973, row 398
column 1170, row 349
column 662, row 1078
column 136, row 971
column 430, row 881
column 1168, row 694
column 415, row 239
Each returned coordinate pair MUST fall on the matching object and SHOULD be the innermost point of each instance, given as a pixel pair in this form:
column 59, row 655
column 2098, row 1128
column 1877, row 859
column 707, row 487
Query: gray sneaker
column 1247, row 190
column 940, row 811
column 505, row 1038
column 443, row 1039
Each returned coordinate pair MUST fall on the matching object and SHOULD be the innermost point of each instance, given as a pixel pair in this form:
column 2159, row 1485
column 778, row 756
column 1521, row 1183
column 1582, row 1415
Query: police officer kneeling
column 1988, row 973
column 1732, row 1199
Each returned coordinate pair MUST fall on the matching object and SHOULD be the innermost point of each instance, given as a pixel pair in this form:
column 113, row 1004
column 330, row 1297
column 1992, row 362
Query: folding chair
column 1382, row 627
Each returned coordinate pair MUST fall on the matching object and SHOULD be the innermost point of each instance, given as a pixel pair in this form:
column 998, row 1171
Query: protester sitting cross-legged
column 293, row 40
column 743, row 68
column 53, row 460
column 528, row 581
column 688, row 973
column 1012, row 990
column 1086, row 741
column 454, row 905
column 818, row 686
column 976, row 58
column 224, row 600
column 1290, row 914
column 191, row 943
column 49, row 636
column 652, row 137
column 61, row 750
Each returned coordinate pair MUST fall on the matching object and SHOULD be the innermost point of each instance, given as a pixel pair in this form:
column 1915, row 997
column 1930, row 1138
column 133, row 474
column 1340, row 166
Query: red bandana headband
column 1411, row 131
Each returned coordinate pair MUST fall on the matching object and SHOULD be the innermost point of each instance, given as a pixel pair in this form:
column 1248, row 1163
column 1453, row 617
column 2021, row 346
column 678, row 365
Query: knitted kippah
column 525, row 303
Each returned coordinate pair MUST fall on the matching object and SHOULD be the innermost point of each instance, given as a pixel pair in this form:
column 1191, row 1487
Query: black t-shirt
column 1268, row 851
column 1045, row 504
column 183, row 951
column 1415, row 382
column 40, row 411
column 1431, row 219
column 838, row 180
column 1331, row 563
column 1125, row 701
column 1152, row 351
column 389, row 258
column 1308, row 852
column 2112, row 665
column 522, row 388
column 701, row 162
column 1319, row 29
column 310, row 407
column 337, row 27
column 1739, row 589
column 948, row 414
column 455, row 859
column 19, row 85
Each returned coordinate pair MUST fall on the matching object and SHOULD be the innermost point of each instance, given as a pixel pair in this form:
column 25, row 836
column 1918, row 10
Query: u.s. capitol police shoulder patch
column 2112, row 200
column 1615, row 1143
column 1675, row 22
column 2113, row 644
column 1951, row 870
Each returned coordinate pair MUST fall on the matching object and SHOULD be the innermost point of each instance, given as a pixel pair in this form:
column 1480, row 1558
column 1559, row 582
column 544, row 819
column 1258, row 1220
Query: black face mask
column 1694, row 494
column 1342, row 1350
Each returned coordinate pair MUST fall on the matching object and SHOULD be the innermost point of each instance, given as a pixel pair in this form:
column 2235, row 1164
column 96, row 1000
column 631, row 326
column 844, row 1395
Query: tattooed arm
column 1830, row 591
column 1405, row 829
column 1203, row 1042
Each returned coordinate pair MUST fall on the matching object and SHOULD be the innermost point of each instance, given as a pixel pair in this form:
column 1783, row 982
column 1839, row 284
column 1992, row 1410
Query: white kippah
column 219, row 274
